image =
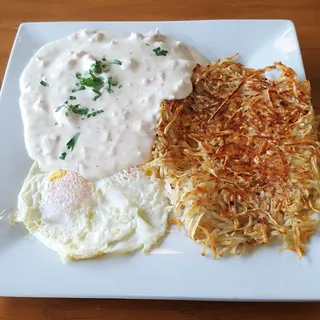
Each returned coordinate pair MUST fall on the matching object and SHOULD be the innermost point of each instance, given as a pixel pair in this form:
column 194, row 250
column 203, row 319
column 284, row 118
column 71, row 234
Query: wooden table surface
column 304, row 13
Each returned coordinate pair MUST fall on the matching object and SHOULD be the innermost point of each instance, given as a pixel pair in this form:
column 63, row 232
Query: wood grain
column 85, row 309
column 304, row 13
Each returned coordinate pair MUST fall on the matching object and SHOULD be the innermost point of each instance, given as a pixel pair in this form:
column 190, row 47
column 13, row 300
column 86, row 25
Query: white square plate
column 175, row 269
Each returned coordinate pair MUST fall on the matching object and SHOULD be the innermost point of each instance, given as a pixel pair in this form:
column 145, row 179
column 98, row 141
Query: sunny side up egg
column 80, row 219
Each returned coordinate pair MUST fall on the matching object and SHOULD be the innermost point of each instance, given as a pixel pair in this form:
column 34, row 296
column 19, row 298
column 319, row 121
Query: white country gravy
column 102, row 121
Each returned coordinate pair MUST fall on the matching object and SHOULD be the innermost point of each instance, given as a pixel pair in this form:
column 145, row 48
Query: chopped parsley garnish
column 98, row 94
column 63, row 155
column 116, row 61
column 60, row 107
column 72, row 98
column 72, row 142
column 96, row 67
column 75, row 109
column 100, row 66
column 112, row 82
column 70, row 145
column 79, row 88
column 44, row 83
column 159, row 52
column 93, row 114
column 92, row 82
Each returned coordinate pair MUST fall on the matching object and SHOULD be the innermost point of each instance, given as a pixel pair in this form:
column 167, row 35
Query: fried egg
column 80, row 219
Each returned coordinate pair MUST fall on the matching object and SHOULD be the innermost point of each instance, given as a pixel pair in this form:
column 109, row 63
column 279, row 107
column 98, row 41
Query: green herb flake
column 59, row 108
column 43, row 83
column 112, row 82
column 93, row 114
column 100, row 66
column 75, row 109
column 116, row 61
column 95, row 82
column 72, row 142
column 66, row 114
column 72, row 98
column 159, row 52
column 96, row 67
column 78, row 89
column 63, row 156
column 92, row 82
column 98, row 94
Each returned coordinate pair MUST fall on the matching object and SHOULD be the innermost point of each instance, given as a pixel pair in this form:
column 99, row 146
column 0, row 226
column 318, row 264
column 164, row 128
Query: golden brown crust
column 241, row 155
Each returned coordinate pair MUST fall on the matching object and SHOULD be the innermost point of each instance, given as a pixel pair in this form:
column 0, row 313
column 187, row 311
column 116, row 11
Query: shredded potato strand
column 240, row 157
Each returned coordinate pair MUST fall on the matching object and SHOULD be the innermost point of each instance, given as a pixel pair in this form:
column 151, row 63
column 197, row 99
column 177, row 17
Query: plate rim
column 135, row 296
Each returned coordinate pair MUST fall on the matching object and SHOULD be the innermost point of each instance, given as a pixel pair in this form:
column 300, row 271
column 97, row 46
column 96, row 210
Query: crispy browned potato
column 240, row 156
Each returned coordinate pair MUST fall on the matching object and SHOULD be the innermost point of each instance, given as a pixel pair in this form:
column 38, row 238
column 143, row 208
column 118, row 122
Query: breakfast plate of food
column 160, row 160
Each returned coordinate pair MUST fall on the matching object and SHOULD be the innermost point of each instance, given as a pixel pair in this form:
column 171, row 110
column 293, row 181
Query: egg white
column 80, row 219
